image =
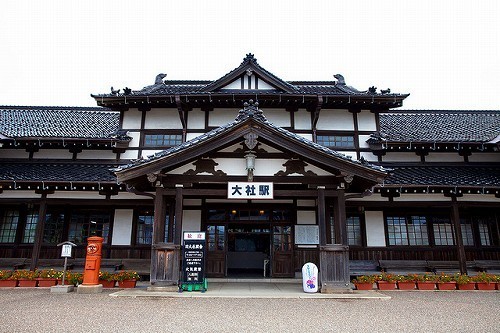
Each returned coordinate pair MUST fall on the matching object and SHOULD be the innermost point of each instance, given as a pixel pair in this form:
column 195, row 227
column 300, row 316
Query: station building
column 278, row 173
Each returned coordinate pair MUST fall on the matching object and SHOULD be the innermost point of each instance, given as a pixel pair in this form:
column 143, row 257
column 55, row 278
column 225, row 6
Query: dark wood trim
column 322, row 215
column 455, row 221
column 178, row 214
column 159, row 217
column 37, row 244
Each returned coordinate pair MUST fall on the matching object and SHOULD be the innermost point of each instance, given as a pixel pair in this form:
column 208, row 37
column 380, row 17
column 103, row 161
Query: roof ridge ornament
column 249, row 58
column 251, row 110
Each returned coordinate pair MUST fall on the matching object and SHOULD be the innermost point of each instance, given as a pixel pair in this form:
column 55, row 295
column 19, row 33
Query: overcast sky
column 445, row 53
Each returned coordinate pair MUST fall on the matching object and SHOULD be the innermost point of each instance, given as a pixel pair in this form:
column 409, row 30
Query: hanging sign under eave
column 250, row 190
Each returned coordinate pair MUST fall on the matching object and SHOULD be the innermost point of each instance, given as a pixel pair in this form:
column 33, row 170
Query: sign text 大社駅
column 249, row 190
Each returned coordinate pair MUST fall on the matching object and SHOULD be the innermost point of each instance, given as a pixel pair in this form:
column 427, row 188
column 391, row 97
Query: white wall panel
column 302, row 120
column 219, row 117
column 191, row 220
column 54, row 154
column 130, row 155
column 400, row 157
column 485, row 157
column 444, row 157
column 279, row 117
column 96, row 154
column 122, row 227
column 479, row 198
column 162, row 119
column 75, row 195
column 18, row 194
column 15, row 153
column 191, row 136
column 362, row 141
column 366, row 121
column 132, row 119
column 196, row 119
column 306, row 217
column 335, row 120
column 375, row 234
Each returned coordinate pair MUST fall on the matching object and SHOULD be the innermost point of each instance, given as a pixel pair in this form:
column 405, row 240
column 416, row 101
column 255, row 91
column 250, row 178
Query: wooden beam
column 40, row 226
column 455, row 217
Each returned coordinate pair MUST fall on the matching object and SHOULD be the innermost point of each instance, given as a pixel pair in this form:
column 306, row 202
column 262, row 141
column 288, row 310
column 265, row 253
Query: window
column 8, row 226
column 336, row 141
column 407, row 230
column 53, row 231
column 467, row 235
column 83, row 225
column 354, row 230
column 443, row 231
column 162, row 140
column 216, row 237
column 30, row 226
column 145, row 228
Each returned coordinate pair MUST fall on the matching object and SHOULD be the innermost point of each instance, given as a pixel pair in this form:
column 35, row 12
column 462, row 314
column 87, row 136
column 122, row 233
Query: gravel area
column 37, row 310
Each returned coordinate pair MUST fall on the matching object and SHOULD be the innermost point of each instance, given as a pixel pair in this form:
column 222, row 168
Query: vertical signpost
column 193, row 262
column 66, row 252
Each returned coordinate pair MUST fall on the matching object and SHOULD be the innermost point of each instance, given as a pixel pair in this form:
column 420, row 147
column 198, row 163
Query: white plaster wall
column 335, row 120
column 375, row 234
column 372, row 198
column 306, row 203
column 136, row 139
column 132, row 119
column 219, row 117
column 146, row 153
column 302, row 120
column 485, row 157
column 196, row 119
column 184, row 168
column 366, row 121
column 162, row 119
column 305, row 135
column 192, row 202
column 191, row 136
column 15, row 153
column 236, row 84
column 54, row 154
column 362, row 141
column 130, row 155
column 306, row 217
column 18, row 194
column 279, row 117
column 191, row 220
column 401, row 157
column 122, row 227
column 479, row 198
column 368, row 156
column 432, row 197
column 352, row 154
column 96, row 154
column 263, row 85
column 444, row 157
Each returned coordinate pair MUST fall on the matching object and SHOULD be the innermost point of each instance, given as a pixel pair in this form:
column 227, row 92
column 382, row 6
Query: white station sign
column 250, row 190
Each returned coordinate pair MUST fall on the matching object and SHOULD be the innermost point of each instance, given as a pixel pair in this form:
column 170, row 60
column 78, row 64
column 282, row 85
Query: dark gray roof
column 249, row 111
column 56, row 172
column 440, row 126
column 459, row 176
column 65, row 122
column 198, row 87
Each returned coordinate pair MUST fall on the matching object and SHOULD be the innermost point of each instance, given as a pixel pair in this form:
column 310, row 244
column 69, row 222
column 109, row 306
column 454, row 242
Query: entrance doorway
column 248, row 250
column 249, row 243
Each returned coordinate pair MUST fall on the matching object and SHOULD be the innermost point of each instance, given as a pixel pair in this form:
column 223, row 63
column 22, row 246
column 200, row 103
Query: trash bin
column 310, row 278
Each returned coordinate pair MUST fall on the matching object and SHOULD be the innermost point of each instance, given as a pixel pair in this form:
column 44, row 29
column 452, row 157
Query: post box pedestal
column 89, row 289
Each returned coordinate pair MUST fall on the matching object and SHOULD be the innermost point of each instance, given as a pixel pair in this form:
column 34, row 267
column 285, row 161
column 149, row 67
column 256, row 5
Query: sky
column 444, row 53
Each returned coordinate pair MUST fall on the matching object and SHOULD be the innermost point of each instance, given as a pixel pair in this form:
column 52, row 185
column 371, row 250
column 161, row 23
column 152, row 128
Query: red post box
column 93, row 261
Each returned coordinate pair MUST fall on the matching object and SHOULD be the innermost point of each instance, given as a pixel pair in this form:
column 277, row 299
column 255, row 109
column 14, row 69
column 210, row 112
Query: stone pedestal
column 62, row 289
column 89, row 289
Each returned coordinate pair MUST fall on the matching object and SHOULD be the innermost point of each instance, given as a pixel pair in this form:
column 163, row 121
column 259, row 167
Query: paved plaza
column 114, row 310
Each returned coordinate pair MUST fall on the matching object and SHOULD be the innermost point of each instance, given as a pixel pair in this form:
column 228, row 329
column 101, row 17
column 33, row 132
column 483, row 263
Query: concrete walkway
column 248, row 290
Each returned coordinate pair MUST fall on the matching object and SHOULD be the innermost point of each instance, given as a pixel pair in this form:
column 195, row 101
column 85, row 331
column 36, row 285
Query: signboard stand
column 193, row 262
column 66, row 252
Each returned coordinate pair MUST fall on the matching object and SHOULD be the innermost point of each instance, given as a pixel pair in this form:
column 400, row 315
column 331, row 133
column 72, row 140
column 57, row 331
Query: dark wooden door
column 282, row 256
column 215, row 265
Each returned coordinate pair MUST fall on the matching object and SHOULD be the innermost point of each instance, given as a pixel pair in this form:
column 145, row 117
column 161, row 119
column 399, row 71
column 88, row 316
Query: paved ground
column 38, row 310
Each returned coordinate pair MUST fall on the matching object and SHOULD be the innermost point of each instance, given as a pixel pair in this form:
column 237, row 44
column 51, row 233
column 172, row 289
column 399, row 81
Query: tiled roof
column 56, row 172
column 65, row 122
column 201, row 87
column 250, row 111
column 460, row 176
column 440, row 126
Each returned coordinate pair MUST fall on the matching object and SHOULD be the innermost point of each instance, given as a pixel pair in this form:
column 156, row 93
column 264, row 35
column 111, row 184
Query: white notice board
column 306, row 234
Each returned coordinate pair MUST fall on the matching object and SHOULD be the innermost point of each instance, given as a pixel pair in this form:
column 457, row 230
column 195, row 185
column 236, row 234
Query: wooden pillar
column 165, row 257
column 321, row 215
column 455, row 217
column 178, row 214
column 40, row 226
column 334, row 258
